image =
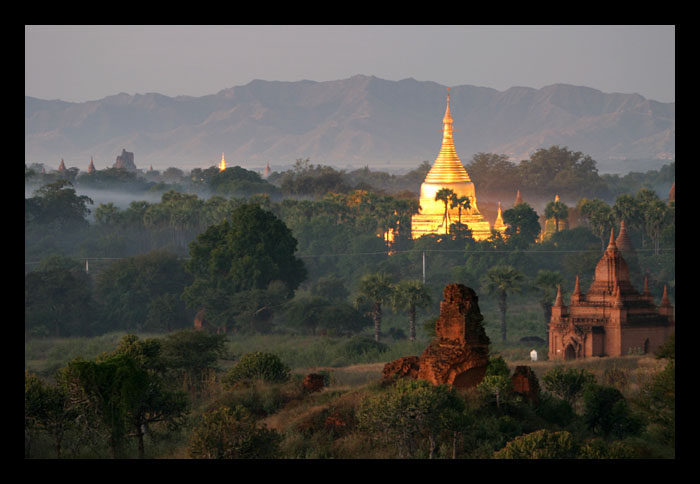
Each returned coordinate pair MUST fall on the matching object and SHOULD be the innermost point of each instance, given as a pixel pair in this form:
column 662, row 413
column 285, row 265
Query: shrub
column 567, row 383
column 606, row 412
column 497, row 366
column 555, row 410
column 362, row 345
column 231, row 433
column 542, row 444
column 259, row 365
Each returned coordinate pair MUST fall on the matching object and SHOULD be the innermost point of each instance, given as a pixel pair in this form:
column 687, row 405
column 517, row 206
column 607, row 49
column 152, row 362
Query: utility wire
column 383, row 252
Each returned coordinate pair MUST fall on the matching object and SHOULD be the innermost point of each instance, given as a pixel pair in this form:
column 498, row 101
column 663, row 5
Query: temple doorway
column 570, row 352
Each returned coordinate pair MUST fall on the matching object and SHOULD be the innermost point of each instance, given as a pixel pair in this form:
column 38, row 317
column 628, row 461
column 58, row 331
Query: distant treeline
column 548, row 172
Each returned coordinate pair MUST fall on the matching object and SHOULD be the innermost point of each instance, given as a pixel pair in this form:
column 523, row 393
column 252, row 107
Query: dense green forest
column 303, row 254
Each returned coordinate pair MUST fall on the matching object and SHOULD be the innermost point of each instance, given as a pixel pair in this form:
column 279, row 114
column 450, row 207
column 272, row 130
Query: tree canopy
column 247, row 252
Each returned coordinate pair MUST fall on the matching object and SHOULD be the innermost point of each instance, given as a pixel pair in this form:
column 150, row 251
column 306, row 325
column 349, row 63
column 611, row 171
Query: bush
column 567, row 383
column 260, row 398
column 362, row 346
column 229, row 433
column 542, row 444
column 259, row 365
column 497, row 366
column 606, row 412
column 555, row 410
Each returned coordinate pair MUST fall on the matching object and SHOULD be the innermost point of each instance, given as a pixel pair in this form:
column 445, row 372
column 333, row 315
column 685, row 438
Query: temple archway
column 570, row 352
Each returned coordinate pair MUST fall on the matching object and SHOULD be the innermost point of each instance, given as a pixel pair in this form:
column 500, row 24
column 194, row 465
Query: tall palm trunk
column 502, row 307
column 377, row 317
column 547, row 306
column 412, row 323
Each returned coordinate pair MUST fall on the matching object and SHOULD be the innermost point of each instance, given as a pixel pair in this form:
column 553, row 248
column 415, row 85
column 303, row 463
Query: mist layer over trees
column 128, row 264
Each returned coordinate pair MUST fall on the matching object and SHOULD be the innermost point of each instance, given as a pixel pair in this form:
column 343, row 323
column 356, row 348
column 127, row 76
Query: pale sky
column 82, row 63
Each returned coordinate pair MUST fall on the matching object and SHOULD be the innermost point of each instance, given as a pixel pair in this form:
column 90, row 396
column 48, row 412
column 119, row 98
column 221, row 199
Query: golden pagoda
column 222, row 165
column 499, row 224
column 447, row 172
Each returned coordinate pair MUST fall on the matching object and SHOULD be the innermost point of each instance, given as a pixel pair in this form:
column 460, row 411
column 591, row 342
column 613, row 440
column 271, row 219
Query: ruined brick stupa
column 459, row 354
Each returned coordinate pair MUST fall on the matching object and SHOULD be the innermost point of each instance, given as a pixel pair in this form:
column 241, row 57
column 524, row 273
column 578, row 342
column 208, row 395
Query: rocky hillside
column 357, row 121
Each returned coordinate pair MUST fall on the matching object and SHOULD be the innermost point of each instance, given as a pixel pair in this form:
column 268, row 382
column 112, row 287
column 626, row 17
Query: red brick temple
column 612, row 318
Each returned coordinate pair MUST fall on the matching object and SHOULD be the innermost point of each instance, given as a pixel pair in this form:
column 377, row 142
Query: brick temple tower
column 612, row 318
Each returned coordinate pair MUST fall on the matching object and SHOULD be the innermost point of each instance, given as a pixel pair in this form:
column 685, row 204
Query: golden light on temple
column 222, row 165
column 448, row 172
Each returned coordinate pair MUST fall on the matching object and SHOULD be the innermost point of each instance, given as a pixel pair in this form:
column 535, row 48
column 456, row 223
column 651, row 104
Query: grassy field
column 301, row 418
column 344, row 363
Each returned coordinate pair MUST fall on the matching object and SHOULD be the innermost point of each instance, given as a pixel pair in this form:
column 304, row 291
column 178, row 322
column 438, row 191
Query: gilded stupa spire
column 222, row 165
column 448, row 167
column 499, row 224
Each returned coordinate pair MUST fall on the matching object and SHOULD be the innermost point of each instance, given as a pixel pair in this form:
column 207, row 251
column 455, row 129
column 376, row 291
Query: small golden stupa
column 448, row 172
column 222, row 165
column 499, row 224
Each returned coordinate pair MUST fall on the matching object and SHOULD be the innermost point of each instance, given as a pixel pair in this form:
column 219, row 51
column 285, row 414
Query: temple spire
column 447, row 120
column 448, row 167
column 665, row 302
column 576, row 297
column 611, row 245
column 499, row 224
column 222, row 165
column 558, row 302
column 623, row 241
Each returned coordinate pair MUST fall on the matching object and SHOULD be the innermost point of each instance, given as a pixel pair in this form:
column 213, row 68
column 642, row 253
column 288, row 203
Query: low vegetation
column 254, row 405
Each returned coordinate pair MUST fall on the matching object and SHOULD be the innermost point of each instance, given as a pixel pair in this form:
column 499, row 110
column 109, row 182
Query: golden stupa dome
column 447, row 171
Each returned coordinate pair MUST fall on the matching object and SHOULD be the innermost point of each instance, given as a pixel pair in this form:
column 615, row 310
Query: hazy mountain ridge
column 362, row 119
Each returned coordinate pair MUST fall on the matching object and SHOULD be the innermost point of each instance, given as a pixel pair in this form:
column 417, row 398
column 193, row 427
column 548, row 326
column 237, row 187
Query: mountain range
column 362, row 120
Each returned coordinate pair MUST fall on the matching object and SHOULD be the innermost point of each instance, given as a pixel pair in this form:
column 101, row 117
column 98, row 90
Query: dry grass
column 626, row 373
column 348, row 376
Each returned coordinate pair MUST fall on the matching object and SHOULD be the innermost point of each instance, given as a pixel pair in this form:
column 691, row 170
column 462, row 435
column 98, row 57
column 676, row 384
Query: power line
column 383, row 252
column 467, row 252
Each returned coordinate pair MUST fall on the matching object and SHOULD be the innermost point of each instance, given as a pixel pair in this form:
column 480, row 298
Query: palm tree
column 499, row 280
column 600, row 217
column 445, row 195
column 459, row 203
column 556, row 210
column 628, row 209
column 655, row 214
column 376, row 288
column 547, row 282
column 410, row 295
